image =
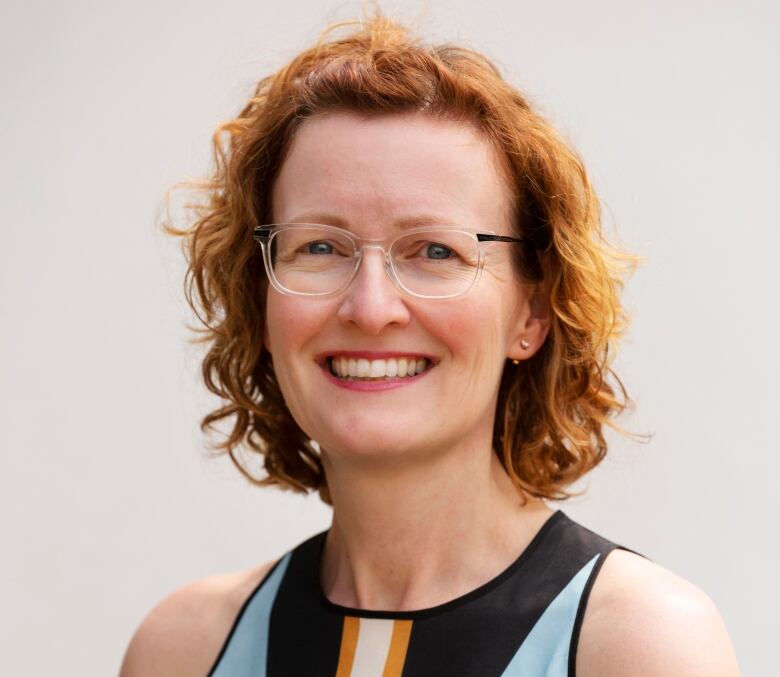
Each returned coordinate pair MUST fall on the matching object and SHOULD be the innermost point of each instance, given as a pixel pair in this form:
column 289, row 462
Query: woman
column 410, row 309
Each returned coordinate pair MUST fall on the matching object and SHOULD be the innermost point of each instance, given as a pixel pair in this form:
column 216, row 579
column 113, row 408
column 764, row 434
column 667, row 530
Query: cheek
column 276, row 323
column 472, row 332
column 290, row 322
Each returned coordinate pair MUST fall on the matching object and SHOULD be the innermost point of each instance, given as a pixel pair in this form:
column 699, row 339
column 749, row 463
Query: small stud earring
column 515, row 362
column 524, row 344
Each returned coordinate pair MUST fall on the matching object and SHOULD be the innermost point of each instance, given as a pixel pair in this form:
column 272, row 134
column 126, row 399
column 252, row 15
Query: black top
column 524, row 622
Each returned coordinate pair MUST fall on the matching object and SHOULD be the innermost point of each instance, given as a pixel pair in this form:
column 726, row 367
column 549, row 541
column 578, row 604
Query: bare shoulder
column 644, row 621
column 183, row 634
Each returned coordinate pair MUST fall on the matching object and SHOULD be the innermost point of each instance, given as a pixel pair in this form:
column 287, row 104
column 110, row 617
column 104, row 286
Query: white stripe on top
column 373, row 645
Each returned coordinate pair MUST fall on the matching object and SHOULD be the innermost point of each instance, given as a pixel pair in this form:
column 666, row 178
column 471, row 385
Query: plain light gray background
column 107, row 499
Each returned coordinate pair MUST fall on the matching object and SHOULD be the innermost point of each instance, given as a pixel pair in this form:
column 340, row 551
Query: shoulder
column 183, row 634
column 644, row 621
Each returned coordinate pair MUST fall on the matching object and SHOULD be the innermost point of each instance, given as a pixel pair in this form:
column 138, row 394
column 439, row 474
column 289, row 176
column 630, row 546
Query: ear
column 533, row 324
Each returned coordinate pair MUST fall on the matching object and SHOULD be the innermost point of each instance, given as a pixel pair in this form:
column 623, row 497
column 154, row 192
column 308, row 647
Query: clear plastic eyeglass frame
column 264, row 234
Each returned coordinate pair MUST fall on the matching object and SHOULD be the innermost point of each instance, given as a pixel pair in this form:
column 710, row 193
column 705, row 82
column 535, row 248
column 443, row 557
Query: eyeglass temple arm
column 484, row 237
column 261, row 233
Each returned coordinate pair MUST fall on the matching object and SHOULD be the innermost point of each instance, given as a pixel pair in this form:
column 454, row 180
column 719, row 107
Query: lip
column 372, row 386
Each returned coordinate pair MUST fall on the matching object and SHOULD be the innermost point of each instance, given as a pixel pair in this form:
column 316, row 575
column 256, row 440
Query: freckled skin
column 369, row 174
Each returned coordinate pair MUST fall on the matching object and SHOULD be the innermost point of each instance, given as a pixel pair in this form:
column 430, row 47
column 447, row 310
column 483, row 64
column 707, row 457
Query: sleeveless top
column 525, row 622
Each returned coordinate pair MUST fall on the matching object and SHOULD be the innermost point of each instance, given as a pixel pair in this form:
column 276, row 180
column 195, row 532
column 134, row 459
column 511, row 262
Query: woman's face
column 375, row 177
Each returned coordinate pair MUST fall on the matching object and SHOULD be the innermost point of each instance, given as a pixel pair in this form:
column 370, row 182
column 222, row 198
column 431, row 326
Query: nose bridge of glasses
column 374, row 244
column 379, row 245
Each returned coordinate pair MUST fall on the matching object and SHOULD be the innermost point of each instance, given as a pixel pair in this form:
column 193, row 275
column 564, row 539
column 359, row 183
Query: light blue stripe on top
column 247, row 649
column 545, row 652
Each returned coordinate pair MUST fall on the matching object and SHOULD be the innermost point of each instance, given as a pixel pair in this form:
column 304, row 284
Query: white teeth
column 349, row 367
column 392, row 368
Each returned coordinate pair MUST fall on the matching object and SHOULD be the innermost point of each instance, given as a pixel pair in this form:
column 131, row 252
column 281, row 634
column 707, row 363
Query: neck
column 417, row 536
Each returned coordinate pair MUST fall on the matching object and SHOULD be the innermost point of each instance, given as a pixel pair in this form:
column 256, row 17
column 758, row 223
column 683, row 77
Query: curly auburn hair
column 552, row 408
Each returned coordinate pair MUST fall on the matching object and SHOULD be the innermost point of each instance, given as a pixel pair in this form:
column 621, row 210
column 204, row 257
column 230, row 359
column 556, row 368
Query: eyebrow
column 406, row 222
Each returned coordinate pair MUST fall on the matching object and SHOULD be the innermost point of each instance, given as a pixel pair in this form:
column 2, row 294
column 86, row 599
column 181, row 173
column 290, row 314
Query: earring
column 515, row 362
column 524, row 344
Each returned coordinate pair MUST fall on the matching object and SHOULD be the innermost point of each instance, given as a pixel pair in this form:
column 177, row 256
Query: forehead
column 370, row 173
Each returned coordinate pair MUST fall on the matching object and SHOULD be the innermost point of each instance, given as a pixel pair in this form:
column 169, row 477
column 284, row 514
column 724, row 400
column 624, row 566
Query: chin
column 374, row 443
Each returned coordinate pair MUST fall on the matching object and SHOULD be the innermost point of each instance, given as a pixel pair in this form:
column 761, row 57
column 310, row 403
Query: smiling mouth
column 361, row 369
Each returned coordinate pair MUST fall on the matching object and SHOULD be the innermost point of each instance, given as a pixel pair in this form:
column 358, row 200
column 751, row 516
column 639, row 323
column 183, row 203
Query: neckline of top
column 413, row 614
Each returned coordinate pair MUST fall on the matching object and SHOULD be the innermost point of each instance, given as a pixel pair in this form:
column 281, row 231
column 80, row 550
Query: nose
column 372, row 301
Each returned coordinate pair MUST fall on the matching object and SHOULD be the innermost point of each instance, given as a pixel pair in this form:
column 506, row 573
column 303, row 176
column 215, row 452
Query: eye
column 319, row 247
column 437, row 251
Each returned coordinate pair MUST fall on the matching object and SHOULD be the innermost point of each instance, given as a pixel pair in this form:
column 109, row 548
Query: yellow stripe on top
column 398, row 644
column 373, row 647
column 349, row 640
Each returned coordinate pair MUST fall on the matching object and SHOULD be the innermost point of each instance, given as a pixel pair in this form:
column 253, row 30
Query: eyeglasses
column 308, row 259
